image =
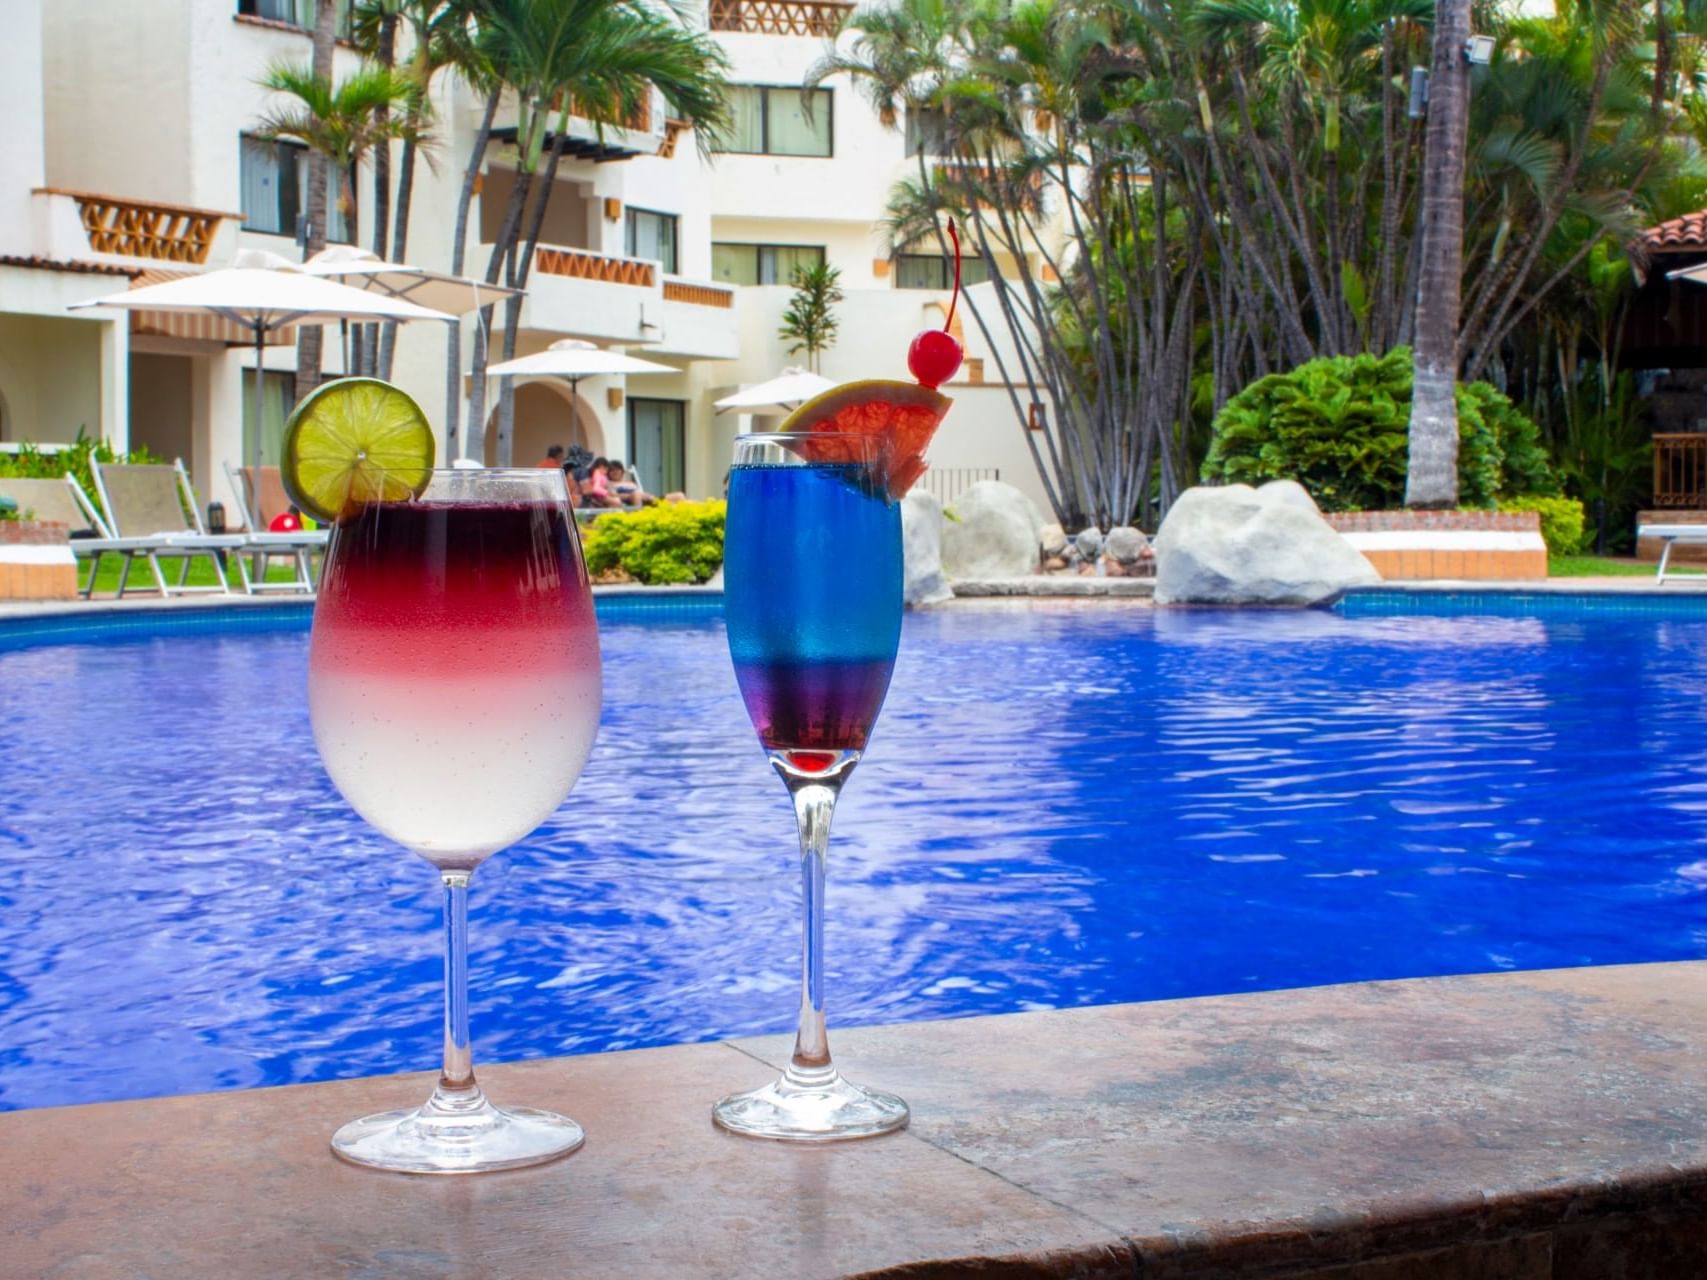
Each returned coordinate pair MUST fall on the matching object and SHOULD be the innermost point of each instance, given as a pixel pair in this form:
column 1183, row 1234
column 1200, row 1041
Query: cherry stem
column 954, row 235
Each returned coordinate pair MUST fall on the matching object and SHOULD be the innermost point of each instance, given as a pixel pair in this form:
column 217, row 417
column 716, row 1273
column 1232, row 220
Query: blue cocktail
column 812, row 602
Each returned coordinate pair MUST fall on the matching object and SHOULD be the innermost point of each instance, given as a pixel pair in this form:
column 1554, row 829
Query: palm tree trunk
column 399, row 243
column 513, row 308
column 503, row 247
column 308, row 336
column 458, row 251
column 381, row 181
column 1432, row 477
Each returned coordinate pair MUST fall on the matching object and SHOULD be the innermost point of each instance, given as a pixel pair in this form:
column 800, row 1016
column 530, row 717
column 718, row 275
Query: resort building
column 130, row 157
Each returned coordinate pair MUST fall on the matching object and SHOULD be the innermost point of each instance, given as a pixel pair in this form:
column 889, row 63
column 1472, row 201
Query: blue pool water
column 1061, row 806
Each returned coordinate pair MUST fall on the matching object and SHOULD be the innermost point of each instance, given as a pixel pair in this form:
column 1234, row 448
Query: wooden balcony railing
column 579, row 264
column 780, row 17
column 1680, row 470
column 138, row 229
column 700, row 295
column 639, row 120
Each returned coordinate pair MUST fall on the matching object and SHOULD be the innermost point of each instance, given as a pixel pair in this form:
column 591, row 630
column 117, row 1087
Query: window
column 652, row 235
column 932, row 271
column 927, row 131
column 655, row 444
column 278, row 393
column 775, row 121
column 274, row 181
column 762, row 263
column 298, row 13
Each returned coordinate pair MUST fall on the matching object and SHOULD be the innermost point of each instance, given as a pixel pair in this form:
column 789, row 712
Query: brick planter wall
column 1447, row 544
column 36, row 561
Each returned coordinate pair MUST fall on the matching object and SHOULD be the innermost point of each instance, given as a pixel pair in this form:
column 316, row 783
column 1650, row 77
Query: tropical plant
column 34, row 463
column 809, row 323
column 597, row 59
column 1339, row 426
column 1561, row 521
column 670, row 543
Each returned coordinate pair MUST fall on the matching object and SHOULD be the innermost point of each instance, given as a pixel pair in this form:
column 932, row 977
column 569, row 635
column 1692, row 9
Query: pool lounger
column 153, row 506
column 255, row 490
column 1670, row 533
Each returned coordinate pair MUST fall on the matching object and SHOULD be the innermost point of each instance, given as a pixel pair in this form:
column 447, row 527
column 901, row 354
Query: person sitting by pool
column 597, row 490
column 626, row 490
column 576, row 497
column 553, row 457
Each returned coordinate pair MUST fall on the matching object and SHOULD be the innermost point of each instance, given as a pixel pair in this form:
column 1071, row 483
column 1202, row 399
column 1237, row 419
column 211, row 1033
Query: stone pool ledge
column 1542, row 1126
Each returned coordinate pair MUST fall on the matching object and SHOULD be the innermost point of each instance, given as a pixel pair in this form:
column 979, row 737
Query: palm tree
column 810, row 322
column 1432, row 477
column 601, row 59
column 308, row 338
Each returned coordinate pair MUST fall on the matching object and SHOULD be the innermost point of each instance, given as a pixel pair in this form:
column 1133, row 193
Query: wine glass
column 812, row 604
column 453, row 686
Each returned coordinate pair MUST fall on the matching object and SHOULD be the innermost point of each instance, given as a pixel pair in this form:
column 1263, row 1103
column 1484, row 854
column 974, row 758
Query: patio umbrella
column 574, row 359
column 364, row 269
column 784, row 393
column 256, row 294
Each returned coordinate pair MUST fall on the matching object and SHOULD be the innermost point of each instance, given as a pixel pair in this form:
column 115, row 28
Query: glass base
column 457, row 1133
column 827, row 1110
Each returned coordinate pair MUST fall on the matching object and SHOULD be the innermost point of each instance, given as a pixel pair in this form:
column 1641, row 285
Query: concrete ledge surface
column 1542, row 1126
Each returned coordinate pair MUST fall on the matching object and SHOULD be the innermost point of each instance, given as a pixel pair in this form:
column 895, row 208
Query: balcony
column 1680, row 470
column 779, row 17
column 604, row 298
column 81, row 226
column 640, row 132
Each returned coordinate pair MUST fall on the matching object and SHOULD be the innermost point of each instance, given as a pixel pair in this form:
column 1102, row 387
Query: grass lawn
column 1610, row 567
column 201, row 575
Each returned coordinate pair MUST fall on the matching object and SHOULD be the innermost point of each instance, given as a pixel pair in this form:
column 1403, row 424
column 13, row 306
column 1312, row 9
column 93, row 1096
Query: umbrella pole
column 259, row 402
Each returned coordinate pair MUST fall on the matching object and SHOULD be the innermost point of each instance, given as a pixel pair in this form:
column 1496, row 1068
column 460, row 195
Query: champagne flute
column 454, row 691
column 812, row 604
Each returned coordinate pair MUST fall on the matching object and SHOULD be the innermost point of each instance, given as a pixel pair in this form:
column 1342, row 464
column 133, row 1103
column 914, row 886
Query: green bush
column 1562, row 521
column 33, row 463
column 670, row 543
column 1340, row 427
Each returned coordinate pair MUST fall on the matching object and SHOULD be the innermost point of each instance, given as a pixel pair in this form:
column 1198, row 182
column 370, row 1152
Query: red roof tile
column 1687, row 232
column 76, row 268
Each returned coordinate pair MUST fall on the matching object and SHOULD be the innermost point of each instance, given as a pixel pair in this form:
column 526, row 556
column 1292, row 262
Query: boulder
column 1125, row 545
column 996, row 532
column 1239, row 545
column 1291, row 493
column 922, row 580
column 1088, row 543
column 1054, row 540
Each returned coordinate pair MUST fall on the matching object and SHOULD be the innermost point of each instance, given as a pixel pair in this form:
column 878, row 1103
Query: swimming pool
column 1062, row 805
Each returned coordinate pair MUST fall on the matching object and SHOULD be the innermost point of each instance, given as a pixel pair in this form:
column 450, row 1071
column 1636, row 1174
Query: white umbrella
column 784, row 393
column 574, row 359
column 255, row 294
column 364, row 269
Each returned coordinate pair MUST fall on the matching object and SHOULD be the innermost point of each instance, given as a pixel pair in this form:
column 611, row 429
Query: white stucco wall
column 23, row 163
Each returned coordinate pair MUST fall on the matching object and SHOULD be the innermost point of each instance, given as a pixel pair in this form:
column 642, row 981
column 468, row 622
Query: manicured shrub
column 1340, row 427
column 1562, row 521
column 668, row 544
column 32, row 463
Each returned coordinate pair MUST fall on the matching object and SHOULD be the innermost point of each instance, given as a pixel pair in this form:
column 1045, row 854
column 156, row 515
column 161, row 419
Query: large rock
column 921, row 549
column 1054, row 541
column 1239, row 545
column 995, row 532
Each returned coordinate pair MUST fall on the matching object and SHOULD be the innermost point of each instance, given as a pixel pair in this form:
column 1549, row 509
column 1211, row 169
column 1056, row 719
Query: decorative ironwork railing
column 780, row 17
column 578, row 264
column 700, row 295
column 1680, row 469
column 163, row 232
column 946, row 484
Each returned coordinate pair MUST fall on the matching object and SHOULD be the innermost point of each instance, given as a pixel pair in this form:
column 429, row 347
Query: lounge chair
column 64, row 502
column 260, row 499
column 1668, row 534
column 154, row 502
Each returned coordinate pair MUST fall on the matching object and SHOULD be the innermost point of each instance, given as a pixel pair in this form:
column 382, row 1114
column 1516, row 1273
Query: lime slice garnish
column 355, row 441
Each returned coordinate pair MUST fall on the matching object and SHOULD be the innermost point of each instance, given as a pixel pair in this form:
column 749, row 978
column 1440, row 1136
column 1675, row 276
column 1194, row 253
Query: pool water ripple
column 1062, row 806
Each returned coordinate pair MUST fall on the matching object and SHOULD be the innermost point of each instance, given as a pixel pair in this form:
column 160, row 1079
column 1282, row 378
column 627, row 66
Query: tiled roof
column 75, row 268
column 1687, row 232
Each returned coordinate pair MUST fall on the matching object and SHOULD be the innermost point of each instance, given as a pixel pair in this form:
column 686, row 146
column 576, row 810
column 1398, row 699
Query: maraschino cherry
column 935, row 356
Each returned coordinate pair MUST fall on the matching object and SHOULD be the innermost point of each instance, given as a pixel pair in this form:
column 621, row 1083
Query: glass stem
column 814, row 806
column 456, row 1081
